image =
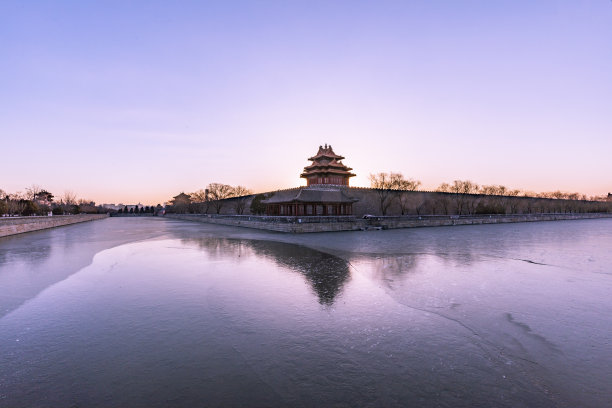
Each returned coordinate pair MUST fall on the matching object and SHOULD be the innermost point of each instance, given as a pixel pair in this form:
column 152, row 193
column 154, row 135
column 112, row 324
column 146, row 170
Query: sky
column 137, row 101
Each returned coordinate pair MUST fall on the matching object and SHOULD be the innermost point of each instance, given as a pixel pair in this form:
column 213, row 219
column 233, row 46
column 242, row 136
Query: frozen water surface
column 154, row 313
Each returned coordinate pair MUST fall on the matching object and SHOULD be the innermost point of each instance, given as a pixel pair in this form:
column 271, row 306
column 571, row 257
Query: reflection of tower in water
column 325, row 273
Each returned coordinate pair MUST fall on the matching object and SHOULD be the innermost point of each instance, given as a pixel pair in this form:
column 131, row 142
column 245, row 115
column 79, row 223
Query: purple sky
column 138, row 101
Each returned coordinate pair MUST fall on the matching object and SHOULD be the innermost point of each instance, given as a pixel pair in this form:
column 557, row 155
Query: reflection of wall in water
column 389, row 268
column 325, row 273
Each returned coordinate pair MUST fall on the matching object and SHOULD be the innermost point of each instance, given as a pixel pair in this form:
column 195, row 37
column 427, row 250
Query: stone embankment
column 19, row 225
column 348, row 223
column 280, row 224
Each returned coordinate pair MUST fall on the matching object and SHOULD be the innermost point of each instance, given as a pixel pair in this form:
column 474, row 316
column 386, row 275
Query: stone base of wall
column 280, row 224
column 450, row 220
column 328, row 224
column 19, row 225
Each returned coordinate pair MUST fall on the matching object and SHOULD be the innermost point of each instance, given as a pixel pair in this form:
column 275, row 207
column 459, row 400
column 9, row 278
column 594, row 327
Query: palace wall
column 19, row 225
column 432, row 203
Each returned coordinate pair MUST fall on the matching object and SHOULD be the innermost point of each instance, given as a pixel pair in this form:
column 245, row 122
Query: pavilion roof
column 182, row 196
column 311, row 195
column 309, row 173
column 333, row 163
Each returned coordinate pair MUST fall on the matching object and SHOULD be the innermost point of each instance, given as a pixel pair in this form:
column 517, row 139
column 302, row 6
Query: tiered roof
column 313, row 194
column 326, row 163
column 181, row 199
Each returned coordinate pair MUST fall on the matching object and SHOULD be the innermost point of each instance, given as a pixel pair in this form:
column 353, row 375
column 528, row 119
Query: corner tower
column 327, row 168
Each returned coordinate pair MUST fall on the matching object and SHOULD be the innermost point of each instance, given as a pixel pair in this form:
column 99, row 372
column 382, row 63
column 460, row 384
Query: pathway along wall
column 19, row 225
column 347, row 223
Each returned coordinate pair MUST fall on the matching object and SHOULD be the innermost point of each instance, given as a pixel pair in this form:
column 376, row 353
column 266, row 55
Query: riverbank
column 19, row 225
column 348, row 223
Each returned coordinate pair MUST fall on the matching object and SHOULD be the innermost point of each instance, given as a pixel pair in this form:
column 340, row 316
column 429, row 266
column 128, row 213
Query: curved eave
column 324, row 165
column 323, row 173
column 325, row 155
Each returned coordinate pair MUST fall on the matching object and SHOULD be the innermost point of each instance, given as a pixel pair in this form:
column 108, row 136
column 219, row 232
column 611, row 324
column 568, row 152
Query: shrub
column 257, row 207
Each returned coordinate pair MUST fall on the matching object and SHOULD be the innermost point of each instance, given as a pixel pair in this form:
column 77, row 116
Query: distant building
column 113, row 206
column 134, row 207
column 325, row 193
column 180, row 203
column 609, row 196
column 181, row 199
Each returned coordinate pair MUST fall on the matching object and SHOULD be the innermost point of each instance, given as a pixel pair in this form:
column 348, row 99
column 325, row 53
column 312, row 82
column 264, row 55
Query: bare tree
column 243, row 194
column 445, row 199
column 240, row 191
column 3, row 202
column 495, row 202
column 529, row 194
column 199, row 196
column 200, row 201
column 16, row 203
column 409, row 200
column 388, row 185
column 68, row 198
column 406, row 200
column 424, row 205
column 382, row 183
column 557, row 195
column 442, row 200
column 461, row 188
column 404, row 196
column 471, row 203
column 465, row 187
column 218, row 192
column 513, row 201
column 32, row 191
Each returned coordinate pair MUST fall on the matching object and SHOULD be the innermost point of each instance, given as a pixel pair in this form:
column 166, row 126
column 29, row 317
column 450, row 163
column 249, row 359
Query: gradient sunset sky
column 132, row 101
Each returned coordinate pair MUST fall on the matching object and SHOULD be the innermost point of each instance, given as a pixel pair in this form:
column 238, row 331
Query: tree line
column 37, row 200
column 140, row 210
column 212, row 199
column 465, row 197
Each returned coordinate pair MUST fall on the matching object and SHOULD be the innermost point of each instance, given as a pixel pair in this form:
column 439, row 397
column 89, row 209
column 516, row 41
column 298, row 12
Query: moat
column 151, row 312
